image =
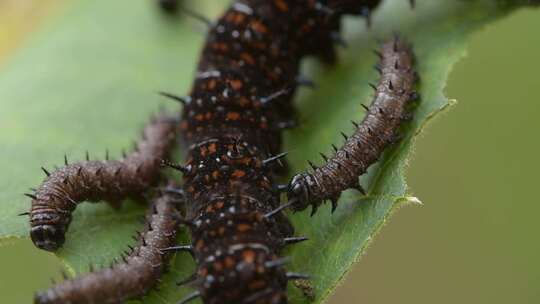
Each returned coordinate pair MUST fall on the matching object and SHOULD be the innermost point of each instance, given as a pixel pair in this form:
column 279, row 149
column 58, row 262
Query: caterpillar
column 232, row 122
column 110, row 180
column 378, row 130
column 137, row 272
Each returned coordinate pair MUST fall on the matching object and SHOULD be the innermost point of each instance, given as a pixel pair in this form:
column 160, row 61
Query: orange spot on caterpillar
column 259, row 27
column 243, row 227
column 248, row 256
column 236, row 84
column 238, row 173
column 233, row 116
column 282, row 5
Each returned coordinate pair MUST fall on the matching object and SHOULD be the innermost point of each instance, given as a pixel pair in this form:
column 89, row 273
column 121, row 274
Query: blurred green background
column 475, row 169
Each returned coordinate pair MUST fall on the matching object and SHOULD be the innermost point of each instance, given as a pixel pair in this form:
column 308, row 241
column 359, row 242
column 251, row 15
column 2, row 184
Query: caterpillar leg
column 378, row 130
column 137, row 272
column 110, row 180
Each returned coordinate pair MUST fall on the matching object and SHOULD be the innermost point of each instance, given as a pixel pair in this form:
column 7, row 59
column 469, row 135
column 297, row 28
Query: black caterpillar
column 378, row 130
column 110, row 180
column 139, row 269
column 232, row 122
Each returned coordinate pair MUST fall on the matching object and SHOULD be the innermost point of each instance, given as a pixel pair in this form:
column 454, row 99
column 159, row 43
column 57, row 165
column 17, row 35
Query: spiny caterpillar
column 378, row 130
column 231, row 122
column 139, row 269
column 94, row 181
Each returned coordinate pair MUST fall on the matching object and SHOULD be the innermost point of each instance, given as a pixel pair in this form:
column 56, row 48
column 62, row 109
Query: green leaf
column 88, row 81
column 18, row 20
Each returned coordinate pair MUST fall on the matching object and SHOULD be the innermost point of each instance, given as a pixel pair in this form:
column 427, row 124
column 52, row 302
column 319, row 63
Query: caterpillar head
column 299, row 191
column 49, row 229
